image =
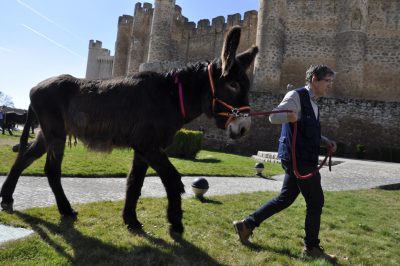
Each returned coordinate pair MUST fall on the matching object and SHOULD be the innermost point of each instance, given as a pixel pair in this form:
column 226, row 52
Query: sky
column 42, row 38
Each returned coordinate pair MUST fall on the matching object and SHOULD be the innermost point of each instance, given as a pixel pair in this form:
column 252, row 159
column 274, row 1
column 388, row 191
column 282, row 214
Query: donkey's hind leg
column 174, row 187
column 52, row 169
column 133, row 191
column 23, row 160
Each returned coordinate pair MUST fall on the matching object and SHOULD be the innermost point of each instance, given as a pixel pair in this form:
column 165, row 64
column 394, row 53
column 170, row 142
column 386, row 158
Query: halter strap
column 234, row 112
column 177, row 81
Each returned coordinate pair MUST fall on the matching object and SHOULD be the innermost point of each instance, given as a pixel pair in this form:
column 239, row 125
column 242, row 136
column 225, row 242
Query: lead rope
column 294, row 138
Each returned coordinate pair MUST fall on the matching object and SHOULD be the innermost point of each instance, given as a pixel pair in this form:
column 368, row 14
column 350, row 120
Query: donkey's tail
column 23, row 141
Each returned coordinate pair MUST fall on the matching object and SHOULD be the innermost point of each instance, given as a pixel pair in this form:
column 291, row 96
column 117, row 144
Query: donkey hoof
column 176, row 228
column 73, row 215
column 7, row 206
column 135, row 226
column 176, row 233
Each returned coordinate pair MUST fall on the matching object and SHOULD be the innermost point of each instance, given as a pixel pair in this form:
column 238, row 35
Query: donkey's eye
column 235, row 85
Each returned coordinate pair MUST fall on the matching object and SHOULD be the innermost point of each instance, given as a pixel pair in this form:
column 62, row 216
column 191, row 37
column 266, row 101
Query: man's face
column 321, row 87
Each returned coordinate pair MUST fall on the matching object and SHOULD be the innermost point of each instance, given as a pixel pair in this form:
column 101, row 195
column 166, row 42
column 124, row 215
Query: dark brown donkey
column 143, row 112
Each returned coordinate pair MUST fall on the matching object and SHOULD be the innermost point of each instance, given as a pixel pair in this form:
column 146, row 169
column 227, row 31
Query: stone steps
column 266, row 156
column 272, row 157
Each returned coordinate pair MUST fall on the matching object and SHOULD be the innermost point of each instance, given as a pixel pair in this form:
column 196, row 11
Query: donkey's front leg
column 133, row 191
column 171, row 180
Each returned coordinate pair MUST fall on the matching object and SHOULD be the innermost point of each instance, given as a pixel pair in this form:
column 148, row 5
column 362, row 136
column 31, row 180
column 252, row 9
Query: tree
column 6, row 100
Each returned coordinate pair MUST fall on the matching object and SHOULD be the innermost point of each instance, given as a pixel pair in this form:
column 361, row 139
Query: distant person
column 303, row 103
column 290, row 87
column 2, row 121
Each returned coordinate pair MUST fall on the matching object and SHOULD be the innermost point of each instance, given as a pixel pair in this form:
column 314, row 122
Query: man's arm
column 291, row 101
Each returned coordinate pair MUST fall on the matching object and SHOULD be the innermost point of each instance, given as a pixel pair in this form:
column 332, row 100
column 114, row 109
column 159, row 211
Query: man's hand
column 292, row 117
column 332, row 145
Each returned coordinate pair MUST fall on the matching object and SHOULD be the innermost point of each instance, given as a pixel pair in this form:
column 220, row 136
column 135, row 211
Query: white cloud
column 52, row 41
column 4, row 49
column 44, row 17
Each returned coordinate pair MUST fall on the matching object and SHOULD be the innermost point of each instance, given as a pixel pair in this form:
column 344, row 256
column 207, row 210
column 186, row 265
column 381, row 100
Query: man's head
column 320, row 78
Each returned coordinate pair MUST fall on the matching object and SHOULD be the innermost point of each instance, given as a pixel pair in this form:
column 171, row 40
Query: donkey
column 143, row 112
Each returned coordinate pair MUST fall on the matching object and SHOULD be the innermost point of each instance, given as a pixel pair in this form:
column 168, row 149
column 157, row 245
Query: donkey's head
column 230, row 86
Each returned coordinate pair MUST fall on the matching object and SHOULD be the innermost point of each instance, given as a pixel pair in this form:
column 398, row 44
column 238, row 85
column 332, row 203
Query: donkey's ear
column 246, row 58
column 229, row 49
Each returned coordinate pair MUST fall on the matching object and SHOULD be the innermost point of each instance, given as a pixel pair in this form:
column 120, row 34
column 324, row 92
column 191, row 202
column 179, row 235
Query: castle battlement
column 290, row 34
column 105, row 58
column 125, row 20
column 147, row 8
column 95, row 44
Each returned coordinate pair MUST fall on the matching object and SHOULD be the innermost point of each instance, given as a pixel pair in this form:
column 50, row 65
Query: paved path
column 347, row 175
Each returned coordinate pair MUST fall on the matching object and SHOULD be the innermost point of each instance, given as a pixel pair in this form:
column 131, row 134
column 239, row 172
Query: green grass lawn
column 78, row 161
column 361, row 227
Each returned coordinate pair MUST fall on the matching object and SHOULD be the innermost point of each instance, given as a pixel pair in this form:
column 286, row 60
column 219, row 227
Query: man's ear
column 314, row 78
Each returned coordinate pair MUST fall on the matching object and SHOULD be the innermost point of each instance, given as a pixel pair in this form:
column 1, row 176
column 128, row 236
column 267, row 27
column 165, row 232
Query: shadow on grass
column 88, row 250
column 207, row 160
column 285, row 252
column 202, row 160
column 282, row 251
column 205, row 200
column 390, row 187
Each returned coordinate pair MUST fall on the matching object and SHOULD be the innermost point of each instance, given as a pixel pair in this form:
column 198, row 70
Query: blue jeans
column 310, row 189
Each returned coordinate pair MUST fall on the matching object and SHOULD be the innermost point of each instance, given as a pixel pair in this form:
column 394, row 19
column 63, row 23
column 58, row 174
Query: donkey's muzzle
column 238, row 127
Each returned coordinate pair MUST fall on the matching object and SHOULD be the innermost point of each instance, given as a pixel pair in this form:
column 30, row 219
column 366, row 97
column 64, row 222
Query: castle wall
column 160, row 35
column 359, row 39
column 140, row 37
column 105, row 67
column 382, row 60
column 100, row 63
column 271, row 42
column 374, row 124
column 122, row 46
column 309, row 39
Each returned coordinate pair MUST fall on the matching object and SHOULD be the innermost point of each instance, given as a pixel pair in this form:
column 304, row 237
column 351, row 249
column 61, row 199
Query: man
column 302, row 103
column 2, row 121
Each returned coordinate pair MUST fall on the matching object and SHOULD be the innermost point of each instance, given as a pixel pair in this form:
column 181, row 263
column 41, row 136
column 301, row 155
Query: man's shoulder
column 294, row 93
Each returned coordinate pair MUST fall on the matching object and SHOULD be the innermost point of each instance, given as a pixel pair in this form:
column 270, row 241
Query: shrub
column 360, row 151
column 186, row 144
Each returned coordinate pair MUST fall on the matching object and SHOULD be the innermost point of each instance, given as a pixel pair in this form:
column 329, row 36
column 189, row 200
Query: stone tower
column 160, row 51
column 351, row 39
column 99, row 63
column 270, row 40
column 122, row 45
column 139, row 41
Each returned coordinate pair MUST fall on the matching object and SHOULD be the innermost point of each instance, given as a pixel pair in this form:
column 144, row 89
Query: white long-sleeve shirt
column 291, row 101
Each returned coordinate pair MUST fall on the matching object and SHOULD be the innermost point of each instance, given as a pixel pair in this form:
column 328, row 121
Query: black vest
column 308, row 133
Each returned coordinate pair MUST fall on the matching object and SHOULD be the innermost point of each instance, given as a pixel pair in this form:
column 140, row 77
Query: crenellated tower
column 271, row 42
column 351, row 43
column 160, row 51
column 140, row 36
column 122, row 45
column 100, row 62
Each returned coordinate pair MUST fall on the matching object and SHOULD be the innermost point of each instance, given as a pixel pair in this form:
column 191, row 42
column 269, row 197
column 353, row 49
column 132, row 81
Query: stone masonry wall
column 100, row 62
column 374, row 124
